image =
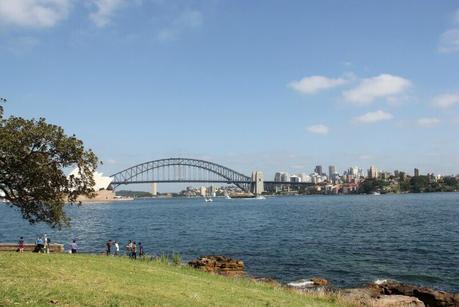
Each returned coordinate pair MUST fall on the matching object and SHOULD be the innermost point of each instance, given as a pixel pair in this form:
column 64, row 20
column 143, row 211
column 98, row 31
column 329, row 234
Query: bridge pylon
column 258, row 183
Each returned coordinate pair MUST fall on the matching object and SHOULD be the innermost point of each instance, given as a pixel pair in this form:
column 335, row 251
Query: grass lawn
column 86, row 280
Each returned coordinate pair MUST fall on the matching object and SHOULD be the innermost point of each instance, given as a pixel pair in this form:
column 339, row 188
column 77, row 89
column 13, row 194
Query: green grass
column 85, row 280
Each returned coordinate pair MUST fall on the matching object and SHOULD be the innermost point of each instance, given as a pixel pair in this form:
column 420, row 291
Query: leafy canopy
column 34, row 156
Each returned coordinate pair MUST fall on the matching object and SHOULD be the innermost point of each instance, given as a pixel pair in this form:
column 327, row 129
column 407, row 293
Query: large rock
column 369, row 297
column 219, row 265
column 430, row 297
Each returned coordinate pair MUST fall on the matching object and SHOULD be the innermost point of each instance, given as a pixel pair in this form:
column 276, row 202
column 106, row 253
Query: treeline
column 133, row 194
column 416, row 184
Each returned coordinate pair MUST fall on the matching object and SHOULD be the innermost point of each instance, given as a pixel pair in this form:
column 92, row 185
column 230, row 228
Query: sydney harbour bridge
column 185, row 170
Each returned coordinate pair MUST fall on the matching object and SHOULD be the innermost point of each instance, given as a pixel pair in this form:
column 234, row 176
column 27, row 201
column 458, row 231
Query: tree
column 34, row 157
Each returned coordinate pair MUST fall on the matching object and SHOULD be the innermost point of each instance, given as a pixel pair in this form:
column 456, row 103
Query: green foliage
column 34, row 156
column 176, row 259
column 371, row 185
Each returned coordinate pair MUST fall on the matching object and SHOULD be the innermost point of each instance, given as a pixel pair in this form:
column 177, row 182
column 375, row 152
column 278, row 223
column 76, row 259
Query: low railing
column 13, row 247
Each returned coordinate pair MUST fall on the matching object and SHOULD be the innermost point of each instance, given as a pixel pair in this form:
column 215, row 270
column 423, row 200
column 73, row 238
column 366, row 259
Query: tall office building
column 331, row 172
column 203, row 191
column 318, row 169
column 285, row 177
column 373, row 172
column 416, row 172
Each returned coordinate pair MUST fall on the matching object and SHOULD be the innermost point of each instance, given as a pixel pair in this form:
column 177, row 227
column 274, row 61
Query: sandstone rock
column 219, row 265
column 396, row 301
column 430, row 297
column 371, row 298
column 319, row 281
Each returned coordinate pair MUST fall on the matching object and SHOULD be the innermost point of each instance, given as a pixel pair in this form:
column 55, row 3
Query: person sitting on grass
column 21, row 245
column 38, row 245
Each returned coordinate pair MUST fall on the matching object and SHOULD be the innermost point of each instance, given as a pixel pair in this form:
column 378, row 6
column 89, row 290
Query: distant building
column 331, row 171
column 318, row 169
column 304, row 177
column 373, row 172
column 285, row 177
column 212, row 191
column 295, row 178
column 281, row 176
column 416, row 172
column 203, row 191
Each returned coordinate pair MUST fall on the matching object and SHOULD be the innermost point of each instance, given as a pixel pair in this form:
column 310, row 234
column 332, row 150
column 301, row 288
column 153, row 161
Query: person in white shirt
column 117, row 248
column 74, row 247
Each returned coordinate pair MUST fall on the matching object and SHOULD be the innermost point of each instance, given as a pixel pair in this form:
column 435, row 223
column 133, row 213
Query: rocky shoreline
column 385, row 293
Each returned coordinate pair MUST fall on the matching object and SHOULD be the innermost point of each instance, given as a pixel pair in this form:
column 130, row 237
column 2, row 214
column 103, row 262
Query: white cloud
column 428, row 122
column 373, row 117
column 105, row 11
column 445, row 101
column 314, row 84
column 449, row 41
column 318, row 129
column 188, row 19
column 382, row 86
column 33, row 13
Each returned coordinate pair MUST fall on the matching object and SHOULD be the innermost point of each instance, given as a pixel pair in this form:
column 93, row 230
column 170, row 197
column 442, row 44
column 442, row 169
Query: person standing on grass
column 128, row 249
column 134, row 250
column 46, row 242
column 109, row 247
column 141, row 253
column 21, row 245
column 117, row 248
column 73, row 247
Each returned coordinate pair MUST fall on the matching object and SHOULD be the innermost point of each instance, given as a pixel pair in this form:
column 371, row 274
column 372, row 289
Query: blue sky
column 270, row 85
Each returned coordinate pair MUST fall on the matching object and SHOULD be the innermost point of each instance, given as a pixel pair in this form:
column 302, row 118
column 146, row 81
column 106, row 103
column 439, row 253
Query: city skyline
column 261, row 86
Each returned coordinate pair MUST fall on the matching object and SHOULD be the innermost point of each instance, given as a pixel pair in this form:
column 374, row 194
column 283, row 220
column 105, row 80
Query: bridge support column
column 257, row 183
column 154, row 189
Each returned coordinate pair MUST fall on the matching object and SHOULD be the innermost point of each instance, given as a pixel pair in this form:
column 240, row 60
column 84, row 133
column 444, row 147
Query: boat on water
column 375, row 193
column 227, row 196
column 208, row 199
column 260, row 197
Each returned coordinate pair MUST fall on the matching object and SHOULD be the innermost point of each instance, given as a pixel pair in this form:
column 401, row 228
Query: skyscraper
column 331, row 171
column 318, row 169
column 416, row 172
column 373, row 172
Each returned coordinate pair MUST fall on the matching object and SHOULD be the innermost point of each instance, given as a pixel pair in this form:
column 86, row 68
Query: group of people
column 41, row 244
column 132, row 249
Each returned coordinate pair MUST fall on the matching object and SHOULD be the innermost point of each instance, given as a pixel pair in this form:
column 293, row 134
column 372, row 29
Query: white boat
column 376, row 193
column 208, row 200
column 260, row 197
column 227, row 196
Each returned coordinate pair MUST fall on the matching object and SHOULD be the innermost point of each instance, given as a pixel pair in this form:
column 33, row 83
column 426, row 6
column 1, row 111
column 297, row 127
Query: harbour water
column 349, row 240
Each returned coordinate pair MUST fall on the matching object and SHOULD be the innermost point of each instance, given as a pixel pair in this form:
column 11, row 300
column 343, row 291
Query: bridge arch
column 180, row 170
